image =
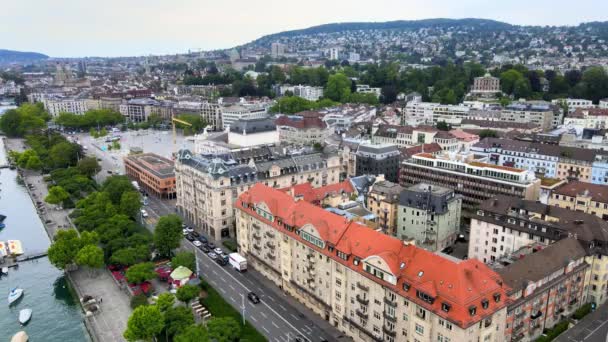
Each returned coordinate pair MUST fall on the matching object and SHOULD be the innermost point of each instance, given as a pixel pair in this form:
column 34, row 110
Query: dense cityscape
column 428, row 180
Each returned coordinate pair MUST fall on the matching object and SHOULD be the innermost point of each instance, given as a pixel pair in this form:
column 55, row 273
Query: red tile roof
column 597, row 192
column 312, row 195
column 580, row 112
column 308, row 121
column 459, row 284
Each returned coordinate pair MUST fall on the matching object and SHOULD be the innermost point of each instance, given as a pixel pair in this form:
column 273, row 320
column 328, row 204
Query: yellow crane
column 173, row 121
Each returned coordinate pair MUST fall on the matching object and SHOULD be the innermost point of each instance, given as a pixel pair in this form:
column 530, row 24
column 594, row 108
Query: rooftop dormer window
column 485, row 303
column 497, row 297
column 472, row 310
column 446, row 307
column 406, row 287
column 425, row 297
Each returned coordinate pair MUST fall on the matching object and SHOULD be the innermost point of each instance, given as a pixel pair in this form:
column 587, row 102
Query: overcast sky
column 64, row 28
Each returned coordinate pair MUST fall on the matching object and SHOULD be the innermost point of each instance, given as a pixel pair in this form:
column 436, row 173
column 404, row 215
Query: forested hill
column 10, row 56
column 490, row 25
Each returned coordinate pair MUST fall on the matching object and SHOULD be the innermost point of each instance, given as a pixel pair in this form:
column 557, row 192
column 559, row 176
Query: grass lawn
column 220, row 308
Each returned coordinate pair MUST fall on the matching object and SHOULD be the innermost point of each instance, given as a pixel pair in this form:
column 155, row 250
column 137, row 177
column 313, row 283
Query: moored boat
column 15, row 294
column 4, row 270
column 24, row 316
column 14, row 247
column 20, row 337
column 3, row 250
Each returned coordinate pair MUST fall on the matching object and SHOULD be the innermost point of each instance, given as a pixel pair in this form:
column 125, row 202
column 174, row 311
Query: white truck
column 135, row 185
column 238, row 262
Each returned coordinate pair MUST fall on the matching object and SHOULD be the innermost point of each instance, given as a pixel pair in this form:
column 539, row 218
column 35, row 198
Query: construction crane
column 173, row 121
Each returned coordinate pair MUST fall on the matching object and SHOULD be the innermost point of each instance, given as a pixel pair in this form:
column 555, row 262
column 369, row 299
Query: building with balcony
column 378, row 159
column 207, row 185
column 547, row 284
column 473, row 178
column 506, row 224
column 383, row 200
column 370, row 286
column 429, row 215
column 57, row 105
column 306, row 129
column 581, row 196
column 409, row 136
column 596, row 118
column 153, row 173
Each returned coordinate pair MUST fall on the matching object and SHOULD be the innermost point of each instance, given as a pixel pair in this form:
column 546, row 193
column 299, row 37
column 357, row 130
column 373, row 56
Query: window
column 419, row 329
column 446, row 307
column 312, row 239
column 472, row 310
column 425, row 297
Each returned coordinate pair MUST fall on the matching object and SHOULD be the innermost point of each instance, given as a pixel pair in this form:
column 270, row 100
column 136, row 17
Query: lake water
column 56, row 314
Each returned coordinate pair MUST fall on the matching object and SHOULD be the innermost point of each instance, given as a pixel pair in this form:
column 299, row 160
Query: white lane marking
column 263, row 314
column 266, row 330
column 294, row 317
column 222, row 290
column 222, row 279
column 214, row 272
column 596, row 329
column 282, row 307
column 232, row 299
column 272, row 299
column 275, row 325
column 253, row 319
column 232, row 287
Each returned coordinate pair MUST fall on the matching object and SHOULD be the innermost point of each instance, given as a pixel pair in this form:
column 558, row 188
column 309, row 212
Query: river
column 56, row 314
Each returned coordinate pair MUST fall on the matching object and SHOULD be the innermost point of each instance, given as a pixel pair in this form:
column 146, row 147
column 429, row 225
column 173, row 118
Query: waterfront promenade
column 111, row 321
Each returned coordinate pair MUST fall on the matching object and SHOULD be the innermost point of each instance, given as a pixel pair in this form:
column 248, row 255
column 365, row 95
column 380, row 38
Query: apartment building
column 603, row 104
column 378, row 159
column 309, row 93
column 581, row 196
column 153, row 173
column 573, row 104
column 277, row 50
column 430, row 113
column 331, row 195
column 234, row 113
column 473, row 178
column 306, row 128
column 383, row 201
column 370, row 286
column 408, row 136
column 429, row 215
column 547, row 284
column 596, row 118
column 546, row 160
column 366, row 89
column 139, row 110
column 503, row 225
column 545, row 115
column 485, row 86
column 208, row 185
column 56, row 105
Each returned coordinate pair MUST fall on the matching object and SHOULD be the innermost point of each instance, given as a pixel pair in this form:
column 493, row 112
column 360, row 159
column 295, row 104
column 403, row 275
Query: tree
column 177, row 319
column 187, row 293
column 115, row 186
column 145, row 323
column 595, row 80
column 508, row 79
column 34, row 163
column 90, row 256
column 186, row 259
column 56, row 195
column 193, row 333
column 139, row 273
column 88, row 166
column 168, row 234
column 103, row 132
column 487, row 133
column 23, row 159
column 165, row 301
column 443, row 126
column 522, row 89
column 64, row 248
column 366, row 98
column 338, row 88
column 224, row 329
column 131, row 255
column 28, row 118
column 130, row 203
column 63, row 154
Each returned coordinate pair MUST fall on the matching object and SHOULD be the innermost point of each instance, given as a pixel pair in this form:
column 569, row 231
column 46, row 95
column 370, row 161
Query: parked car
column 189, row 237
column 189, row 229
column 195, row 234
column 196, row 242
column 253, row 298
column 204, row 249
column 212, row 255
column 218, row 251
column 185, row 232
column 211, row 245
column 222, row 261
column 144, row 213
column 203, row 239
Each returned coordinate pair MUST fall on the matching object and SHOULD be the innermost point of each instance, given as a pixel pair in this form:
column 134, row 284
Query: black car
column 203, row 240
column 253, row 298
column 211, row 245
column 195, row 234
column 222, row 261
column 204, row 248
column 189, row 237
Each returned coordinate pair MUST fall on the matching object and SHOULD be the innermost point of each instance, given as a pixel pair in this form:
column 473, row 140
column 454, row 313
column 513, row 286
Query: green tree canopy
column 64, row 248
column 145, row 322
column 131, row 255
column 177, row 319
column 28, row 118
column 224, row 329
column 193, row 333
column 88, row 166
column 196, row 121
column 115, row 186
column 90, row 256
column 186, row 259
column 168, row 234
column 56, row 195
column 165, row 301
column 488, row 133
column 187, row 293
column 338, row 88
column 130, row 203
column 64, row 154
column 139, row 273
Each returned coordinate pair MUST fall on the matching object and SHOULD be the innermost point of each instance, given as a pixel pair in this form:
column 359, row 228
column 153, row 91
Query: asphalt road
column 273, row 316
column 593, row 328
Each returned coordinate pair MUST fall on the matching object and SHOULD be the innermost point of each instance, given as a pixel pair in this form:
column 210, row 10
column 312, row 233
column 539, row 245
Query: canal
column 56, row 313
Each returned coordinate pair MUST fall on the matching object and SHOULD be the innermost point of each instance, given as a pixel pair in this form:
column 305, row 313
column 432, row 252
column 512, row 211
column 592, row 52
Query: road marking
column 253, row 319
column 232, row 298
column 272, row 299
column 294, row 317
column 282, row 307
column 212, row 282
column 214, row 272
column 223, row 291
column 275, row 325
column 263, row 314
column 596, row 329
column 224, row 280
column 232, row 287
column 266, row 330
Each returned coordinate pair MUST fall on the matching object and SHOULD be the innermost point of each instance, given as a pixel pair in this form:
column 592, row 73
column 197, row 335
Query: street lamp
column 243, row 307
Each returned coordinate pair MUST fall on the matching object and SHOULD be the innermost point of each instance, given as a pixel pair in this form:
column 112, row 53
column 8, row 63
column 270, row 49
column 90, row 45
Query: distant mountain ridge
column 388, row 25
column 11, row 56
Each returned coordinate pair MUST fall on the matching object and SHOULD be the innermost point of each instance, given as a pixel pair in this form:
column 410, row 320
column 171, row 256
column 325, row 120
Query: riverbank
column 109, row 323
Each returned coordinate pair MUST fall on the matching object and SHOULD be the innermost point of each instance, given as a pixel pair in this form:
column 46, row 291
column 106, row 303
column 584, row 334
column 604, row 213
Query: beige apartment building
column 370, row 286
column 505, row 224
column 383, row 201
column 581, row 196
column 207, row 186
